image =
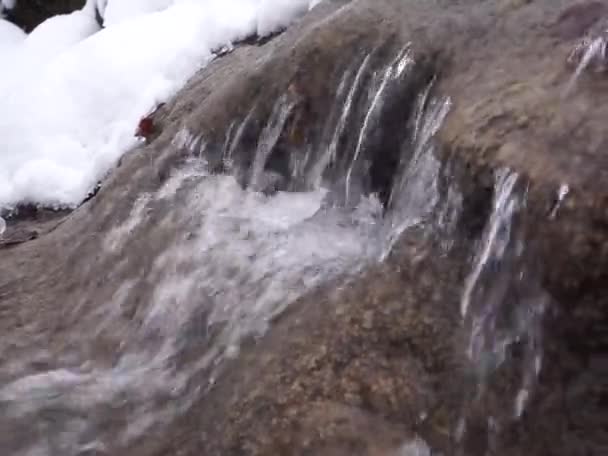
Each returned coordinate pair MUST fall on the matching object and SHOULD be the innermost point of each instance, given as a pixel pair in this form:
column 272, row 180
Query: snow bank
column 72, row 94
column 275, row 14
column 120, row 10
column 10, row 35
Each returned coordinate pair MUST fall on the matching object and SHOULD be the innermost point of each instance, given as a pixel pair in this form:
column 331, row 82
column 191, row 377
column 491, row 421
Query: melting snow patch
column 73, row 93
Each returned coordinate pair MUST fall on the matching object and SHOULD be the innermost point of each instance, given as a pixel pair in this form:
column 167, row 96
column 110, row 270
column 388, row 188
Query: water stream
column 247, row 243
column 502, row 307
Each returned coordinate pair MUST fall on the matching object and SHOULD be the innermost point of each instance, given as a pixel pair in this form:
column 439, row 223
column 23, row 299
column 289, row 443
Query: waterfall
column 248, row 236
column 250, row 223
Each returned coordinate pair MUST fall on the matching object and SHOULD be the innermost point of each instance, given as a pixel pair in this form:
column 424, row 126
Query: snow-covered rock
column 28, row 14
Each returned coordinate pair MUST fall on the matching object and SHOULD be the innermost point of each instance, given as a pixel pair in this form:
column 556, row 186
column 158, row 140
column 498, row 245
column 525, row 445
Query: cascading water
column 502, row 308
column 253, row 233
column 243, row 250
column 415, row 195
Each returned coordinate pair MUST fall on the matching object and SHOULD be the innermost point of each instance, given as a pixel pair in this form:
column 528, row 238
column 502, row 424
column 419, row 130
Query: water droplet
column 520, row 402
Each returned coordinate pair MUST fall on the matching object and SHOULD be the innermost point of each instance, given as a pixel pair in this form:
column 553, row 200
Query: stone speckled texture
column 359, row 369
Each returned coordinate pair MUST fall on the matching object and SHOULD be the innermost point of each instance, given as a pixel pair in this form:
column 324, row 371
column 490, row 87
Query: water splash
column 252, row 248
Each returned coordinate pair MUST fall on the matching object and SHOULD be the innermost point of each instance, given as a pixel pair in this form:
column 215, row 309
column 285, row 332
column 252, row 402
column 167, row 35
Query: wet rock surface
column 364, row 363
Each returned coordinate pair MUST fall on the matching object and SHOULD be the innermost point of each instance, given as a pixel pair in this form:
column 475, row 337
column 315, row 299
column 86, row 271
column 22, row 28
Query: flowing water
column 242, row 254
column 502, row 308
column 591, row 52
column 248, row 242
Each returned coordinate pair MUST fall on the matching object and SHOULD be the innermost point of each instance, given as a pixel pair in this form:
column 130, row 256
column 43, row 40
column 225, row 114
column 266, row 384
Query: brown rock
column 363, row 368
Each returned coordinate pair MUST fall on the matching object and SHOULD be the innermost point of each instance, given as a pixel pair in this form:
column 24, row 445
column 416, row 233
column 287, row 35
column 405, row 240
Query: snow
column 117, row 11
column 275, row 14
column 10, row 35
column 62, row 32
column 73, row 93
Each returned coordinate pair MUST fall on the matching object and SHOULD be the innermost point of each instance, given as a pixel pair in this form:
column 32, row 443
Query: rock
column 27, row 14
column 365, row 368
column 577, row 20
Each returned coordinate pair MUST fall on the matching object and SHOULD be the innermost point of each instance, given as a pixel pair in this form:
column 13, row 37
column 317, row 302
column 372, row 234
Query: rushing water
column 245, row 249
column 251, row 240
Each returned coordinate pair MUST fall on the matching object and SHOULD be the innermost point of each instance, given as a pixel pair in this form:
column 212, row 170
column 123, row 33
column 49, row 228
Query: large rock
column 363, row 368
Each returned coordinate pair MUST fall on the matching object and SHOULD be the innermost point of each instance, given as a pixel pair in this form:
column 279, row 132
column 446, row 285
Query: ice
column 73, row 93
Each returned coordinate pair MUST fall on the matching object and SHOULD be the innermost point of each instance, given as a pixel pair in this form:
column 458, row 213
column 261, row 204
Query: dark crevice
column 28, row 14
column 257, row 40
